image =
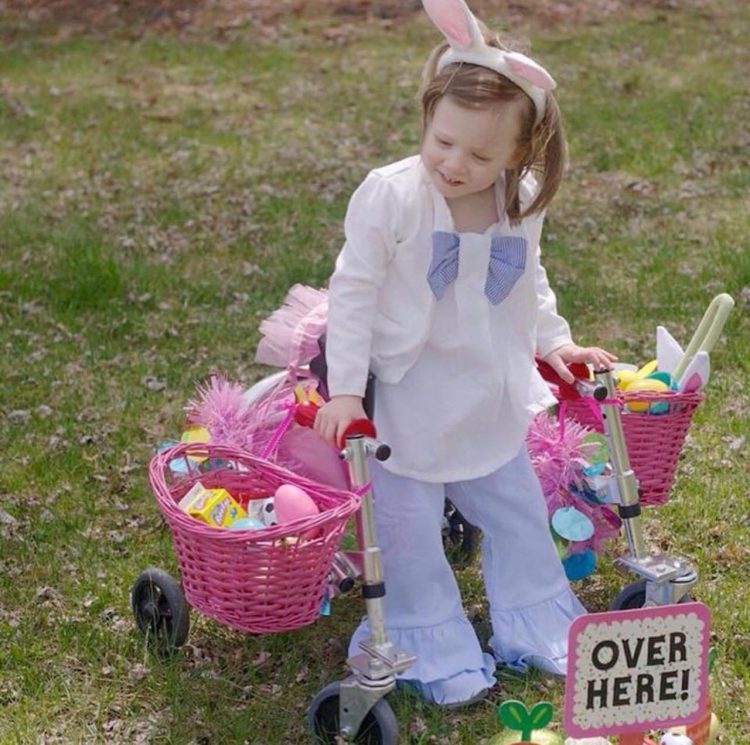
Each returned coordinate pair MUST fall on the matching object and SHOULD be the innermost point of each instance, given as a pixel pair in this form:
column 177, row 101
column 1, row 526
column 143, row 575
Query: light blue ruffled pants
column 531, row 603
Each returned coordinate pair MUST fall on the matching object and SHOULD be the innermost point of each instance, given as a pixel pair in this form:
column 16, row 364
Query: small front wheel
column 634, row 596
column 160, row 610
column 379, row 726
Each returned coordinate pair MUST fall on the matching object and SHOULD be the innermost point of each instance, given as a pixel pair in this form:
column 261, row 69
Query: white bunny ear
column 530, row 70
column 456, row 21
column 461, row 29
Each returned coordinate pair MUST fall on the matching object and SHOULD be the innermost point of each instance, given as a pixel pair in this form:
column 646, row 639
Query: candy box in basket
column 215, row 507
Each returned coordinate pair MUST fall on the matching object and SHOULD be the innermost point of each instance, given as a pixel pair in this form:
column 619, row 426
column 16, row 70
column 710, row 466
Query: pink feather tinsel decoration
column 557, row 458
column 222, row 409
column 232, row 418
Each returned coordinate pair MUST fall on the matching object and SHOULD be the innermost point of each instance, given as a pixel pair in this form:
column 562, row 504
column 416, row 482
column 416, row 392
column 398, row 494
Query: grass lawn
column 158, row 197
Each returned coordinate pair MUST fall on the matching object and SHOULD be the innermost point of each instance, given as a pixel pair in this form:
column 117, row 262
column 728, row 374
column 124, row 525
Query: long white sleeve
column 360, row 272
column 552, row 329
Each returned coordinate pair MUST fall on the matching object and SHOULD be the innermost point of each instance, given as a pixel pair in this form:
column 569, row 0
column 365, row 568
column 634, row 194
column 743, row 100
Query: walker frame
column 663, row 579
column 162, row 613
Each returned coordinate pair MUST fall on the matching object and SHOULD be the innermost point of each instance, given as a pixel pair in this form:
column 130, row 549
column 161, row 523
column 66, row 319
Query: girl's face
column 466, row 150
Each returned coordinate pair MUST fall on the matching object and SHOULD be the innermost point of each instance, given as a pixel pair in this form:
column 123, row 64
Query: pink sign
column 635, row 670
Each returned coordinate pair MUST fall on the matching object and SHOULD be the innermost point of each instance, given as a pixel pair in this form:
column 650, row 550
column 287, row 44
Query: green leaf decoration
column 514, row 715
column 540, row 715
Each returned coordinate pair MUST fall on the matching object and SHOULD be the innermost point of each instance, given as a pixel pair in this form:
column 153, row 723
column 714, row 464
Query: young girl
column 439, row 291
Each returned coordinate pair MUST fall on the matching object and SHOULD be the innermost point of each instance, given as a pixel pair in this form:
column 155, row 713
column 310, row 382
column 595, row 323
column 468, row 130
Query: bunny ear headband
column 460, row 28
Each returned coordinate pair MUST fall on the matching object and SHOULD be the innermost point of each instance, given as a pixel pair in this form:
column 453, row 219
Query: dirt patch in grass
column 229, row 17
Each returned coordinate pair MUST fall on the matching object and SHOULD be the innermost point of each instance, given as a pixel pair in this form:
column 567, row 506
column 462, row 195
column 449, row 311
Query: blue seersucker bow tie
column 444, row 265
column 507, row 264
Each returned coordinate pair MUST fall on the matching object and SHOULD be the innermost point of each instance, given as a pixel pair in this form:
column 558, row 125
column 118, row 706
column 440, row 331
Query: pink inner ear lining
column 531, row 72
column 450, row 18
column 458, row 35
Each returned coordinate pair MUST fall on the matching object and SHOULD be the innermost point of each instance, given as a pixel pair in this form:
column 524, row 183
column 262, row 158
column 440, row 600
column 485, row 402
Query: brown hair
column 542, row 146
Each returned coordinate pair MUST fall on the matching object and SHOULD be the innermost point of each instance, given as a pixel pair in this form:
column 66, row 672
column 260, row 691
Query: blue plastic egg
column 572, row 524
column 246, row 523
column 580, row 564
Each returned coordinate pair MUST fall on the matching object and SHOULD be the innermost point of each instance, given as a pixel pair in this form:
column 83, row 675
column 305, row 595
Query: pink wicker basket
column 266, row 580
column 654, row 441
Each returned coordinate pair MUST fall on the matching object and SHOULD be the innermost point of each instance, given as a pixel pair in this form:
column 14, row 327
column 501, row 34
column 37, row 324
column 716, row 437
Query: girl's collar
column 443, row 219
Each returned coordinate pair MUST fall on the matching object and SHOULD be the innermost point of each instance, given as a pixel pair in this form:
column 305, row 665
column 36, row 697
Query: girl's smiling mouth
column 450, row 181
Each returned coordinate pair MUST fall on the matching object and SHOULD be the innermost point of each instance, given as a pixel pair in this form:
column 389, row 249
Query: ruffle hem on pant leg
column 536, row 635
column 450, row 667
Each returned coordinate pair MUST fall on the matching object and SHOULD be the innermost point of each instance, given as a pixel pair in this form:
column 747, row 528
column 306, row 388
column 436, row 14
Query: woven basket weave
column 260, row 581
column 654, row 441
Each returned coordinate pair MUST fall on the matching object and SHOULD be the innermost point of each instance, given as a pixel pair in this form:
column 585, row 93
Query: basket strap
column 591, row 403
column 360, row 491
column 279, row 432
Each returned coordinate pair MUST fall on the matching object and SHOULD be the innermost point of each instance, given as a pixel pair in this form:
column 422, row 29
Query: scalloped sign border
column 634, row 670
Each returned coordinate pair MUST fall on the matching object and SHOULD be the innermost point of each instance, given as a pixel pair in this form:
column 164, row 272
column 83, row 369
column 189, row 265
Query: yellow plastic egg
column 625, row 378
column 645, row 384
column 195, row 433
column 647, row 369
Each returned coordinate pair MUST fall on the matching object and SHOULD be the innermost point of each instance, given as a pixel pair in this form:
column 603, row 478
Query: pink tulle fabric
column 290, row 334
column 558, row 454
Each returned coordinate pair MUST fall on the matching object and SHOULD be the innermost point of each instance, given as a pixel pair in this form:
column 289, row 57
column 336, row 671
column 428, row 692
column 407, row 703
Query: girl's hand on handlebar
column 559, row 359
column 334, row 417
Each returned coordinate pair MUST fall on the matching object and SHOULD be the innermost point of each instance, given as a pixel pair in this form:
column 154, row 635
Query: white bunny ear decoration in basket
column 461, row 29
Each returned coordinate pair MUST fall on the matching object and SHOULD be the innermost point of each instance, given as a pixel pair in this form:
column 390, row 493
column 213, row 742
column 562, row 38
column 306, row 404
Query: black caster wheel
column 379, row 727
column 460, row 537
column 160, row 609
column 634, row 596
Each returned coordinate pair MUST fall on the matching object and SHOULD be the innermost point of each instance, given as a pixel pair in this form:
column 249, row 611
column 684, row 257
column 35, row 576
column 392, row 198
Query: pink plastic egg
column 293, row 503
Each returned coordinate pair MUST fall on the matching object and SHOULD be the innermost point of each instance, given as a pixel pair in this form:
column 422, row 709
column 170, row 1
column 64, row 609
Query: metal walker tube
column 356, row 455
column 374, row 670
column 627, row 483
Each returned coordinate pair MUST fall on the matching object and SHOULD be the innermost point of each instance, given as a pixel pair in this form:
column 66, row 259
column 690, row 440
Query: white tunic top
column 457, row 385
column 455, row 414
